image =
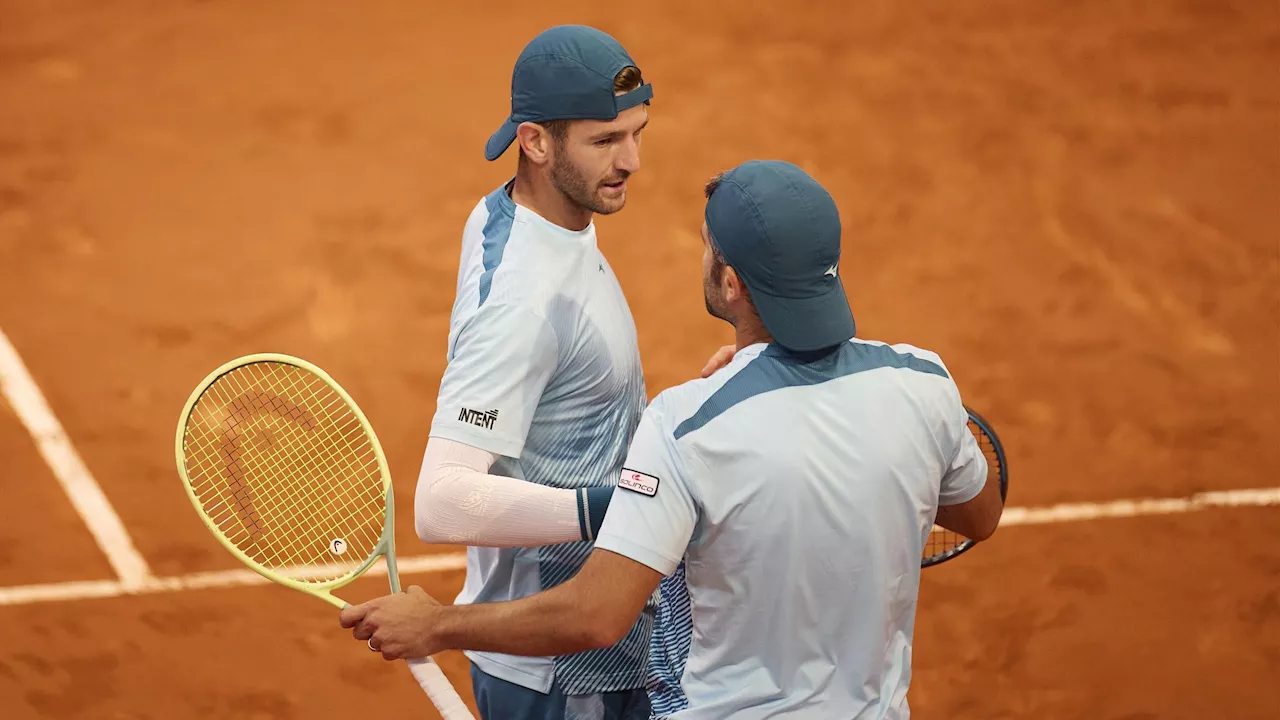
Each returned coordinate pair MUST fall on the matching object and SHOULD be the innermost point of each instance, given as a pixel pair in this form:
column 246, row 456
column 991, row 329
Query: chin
column 610, row 206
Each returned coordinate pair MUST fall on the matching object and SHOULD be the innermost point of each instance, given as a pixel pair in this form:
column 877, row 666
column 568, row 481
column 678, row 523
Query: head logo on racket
column 323, row 469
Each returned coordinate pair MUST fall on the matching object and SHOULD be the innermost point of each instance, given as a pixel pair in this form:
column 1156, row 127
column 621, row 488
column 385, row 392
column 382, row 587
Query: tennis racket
column 287, row 473
column 944, row 544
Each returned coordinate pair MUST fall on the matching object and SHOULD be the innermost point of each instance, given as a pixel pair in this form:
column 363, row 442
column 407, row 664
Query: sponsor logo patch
column 484, row 419
column 638, row 482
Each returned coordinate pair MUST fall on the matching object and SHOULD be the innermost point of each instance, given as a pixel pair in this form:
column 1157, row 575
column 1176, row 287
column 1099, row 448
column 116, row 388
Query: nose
column 628, row 159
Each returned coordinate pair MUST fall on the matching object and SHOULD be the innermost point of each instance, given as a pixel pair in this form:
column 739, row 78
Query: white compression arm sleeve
column 459, row 503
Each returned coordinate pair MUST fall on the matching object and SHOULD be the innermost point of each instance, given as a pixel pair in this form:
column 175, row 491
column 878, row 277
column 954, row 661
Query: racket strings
column 283, row 468
column 942, row 541
column 243, row 407
column 275, row 501
column 282, row 499
column 288, row 497
column 289, row 494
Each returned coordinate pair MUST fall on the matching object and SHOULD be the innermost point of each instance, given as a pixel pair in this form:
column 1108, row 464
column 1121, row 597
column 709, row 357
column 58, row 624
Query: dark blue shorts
column 500, row 700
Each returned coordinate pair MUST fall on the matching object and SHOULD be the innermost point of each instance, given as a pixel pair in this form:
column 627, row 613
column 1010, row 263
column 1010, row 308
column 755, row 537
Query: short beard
column 566, row 178
column 718, row 314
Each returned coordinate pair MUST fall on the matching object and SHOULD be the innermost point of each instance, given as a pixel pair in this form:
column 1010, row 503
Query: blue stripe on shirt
column 497, row 230
column 776, row 368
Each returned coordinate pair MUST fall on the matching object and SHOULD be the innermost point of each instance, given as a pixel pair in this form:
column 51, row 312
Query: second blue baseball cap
column 780, row 232
column 566, row 73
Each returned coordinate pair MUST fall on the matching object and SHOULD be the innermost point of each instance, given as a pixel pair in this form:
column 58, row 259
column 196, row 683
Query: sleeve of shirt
column 967, row 474
column 653, row 512
column 502, row 361
column 458, row 502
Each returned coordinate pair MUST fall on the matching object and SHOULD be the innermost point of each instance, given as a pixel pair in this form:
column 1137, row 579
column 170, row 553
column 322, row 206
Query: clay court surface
column 1074, row 203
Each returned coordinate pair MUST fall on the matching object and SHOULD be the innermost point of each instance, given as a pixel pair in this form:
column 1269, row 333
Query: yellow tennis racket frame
column 428, row 674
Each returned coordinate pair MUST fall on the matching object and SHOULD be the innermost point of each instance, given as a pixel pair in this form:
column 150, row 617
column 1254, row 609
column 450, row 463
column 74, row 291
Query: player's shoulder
column 508, row 261
column 905, row 349
column 491, row 216
column 678, row 403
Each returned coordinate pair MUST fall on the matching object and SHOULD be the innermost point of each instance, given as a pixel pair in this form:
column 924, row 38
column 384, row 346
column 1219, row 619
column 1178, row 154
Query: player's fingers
column 388, row 647
column 710, row 367
column 718, row 360
column 364, row 631
column 415, row 590
column 351, row 614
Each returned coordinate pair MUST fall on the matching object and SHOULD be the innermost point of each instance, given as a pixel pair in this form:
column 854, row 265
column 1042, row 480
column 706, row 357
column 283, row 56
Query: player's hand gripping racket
column 286, row 471
column 945, row 544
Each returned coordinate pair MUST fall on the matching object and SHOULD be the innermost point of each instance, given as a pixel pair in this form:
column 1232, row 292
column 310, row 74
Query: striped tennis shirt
column 544, row 371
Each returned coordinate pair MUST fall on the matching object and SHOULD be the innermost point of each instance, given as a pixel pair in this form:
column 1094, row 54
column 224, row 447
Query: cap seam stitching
column 570, row 58
column 755, row 209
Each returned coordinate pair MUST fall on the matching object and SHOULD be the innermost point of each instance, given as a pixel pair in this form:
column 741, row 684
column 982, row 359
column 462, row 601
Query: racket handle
column 439, row 689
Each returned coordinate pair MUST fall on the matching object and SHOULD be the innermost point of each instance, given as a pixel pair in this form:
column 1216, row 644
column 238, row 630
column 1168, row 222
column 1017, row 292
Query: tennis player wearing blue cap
column 797, row 485
column 543, row 389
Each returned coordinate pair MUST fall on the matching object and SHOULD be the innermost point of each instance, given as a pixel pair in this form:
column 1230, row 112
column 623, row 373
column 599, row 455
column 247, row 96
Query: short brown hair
column 717, row 258
column 712, row 184
column 627, row 79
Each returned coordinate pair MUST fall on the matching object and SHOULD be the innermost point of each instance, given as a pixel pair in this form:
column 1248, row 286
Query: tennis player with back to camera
column 801, row 521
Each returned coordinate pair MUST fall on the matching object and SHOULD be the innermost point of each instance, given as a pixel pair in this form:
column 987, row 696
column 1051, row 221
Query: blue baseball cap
column 780, row 232
column 566, row 73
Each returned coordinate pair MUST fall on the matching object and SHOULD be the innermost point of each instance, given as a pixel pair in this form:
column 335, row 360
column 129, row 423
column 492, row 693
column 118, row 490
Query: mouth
column 616, row 186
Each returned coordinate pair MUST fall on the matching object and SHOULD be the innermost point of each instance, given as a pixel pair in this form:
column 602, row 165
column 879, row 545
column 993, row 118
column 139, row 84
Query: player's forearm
column 976, row 519
column 549, row 623
column 459, row 502
column 471, row 508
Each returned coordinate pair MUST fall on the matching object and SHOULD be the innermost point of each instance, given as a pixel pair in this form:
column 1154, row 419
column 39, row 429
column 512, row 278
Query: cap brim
column 500, row 140
column 805, row 324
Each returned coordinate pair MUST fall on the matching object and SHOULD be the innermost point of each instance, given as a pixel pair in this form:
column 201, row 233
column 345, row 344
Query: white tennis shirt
column 544, row 371
column 799, row 492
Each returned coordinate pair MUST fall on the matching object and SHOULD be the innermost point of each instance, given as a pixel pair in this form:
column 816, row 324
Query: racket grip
column 439, row 689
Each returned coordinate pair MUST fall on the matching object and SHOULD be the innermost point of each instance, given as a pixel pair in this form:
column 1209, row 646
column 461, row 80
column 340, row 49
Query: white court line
column 1076, row 512
column 27, row 594
column 86, row 496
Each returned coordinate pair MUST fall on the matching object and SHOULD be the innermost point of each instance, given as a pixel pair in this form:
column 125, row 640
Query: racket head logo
column 315, row 567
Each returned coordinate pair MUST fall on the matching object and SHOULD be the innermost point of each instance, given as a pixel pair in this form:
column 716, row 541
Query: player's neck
column 750, row 332
column 549, row 203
